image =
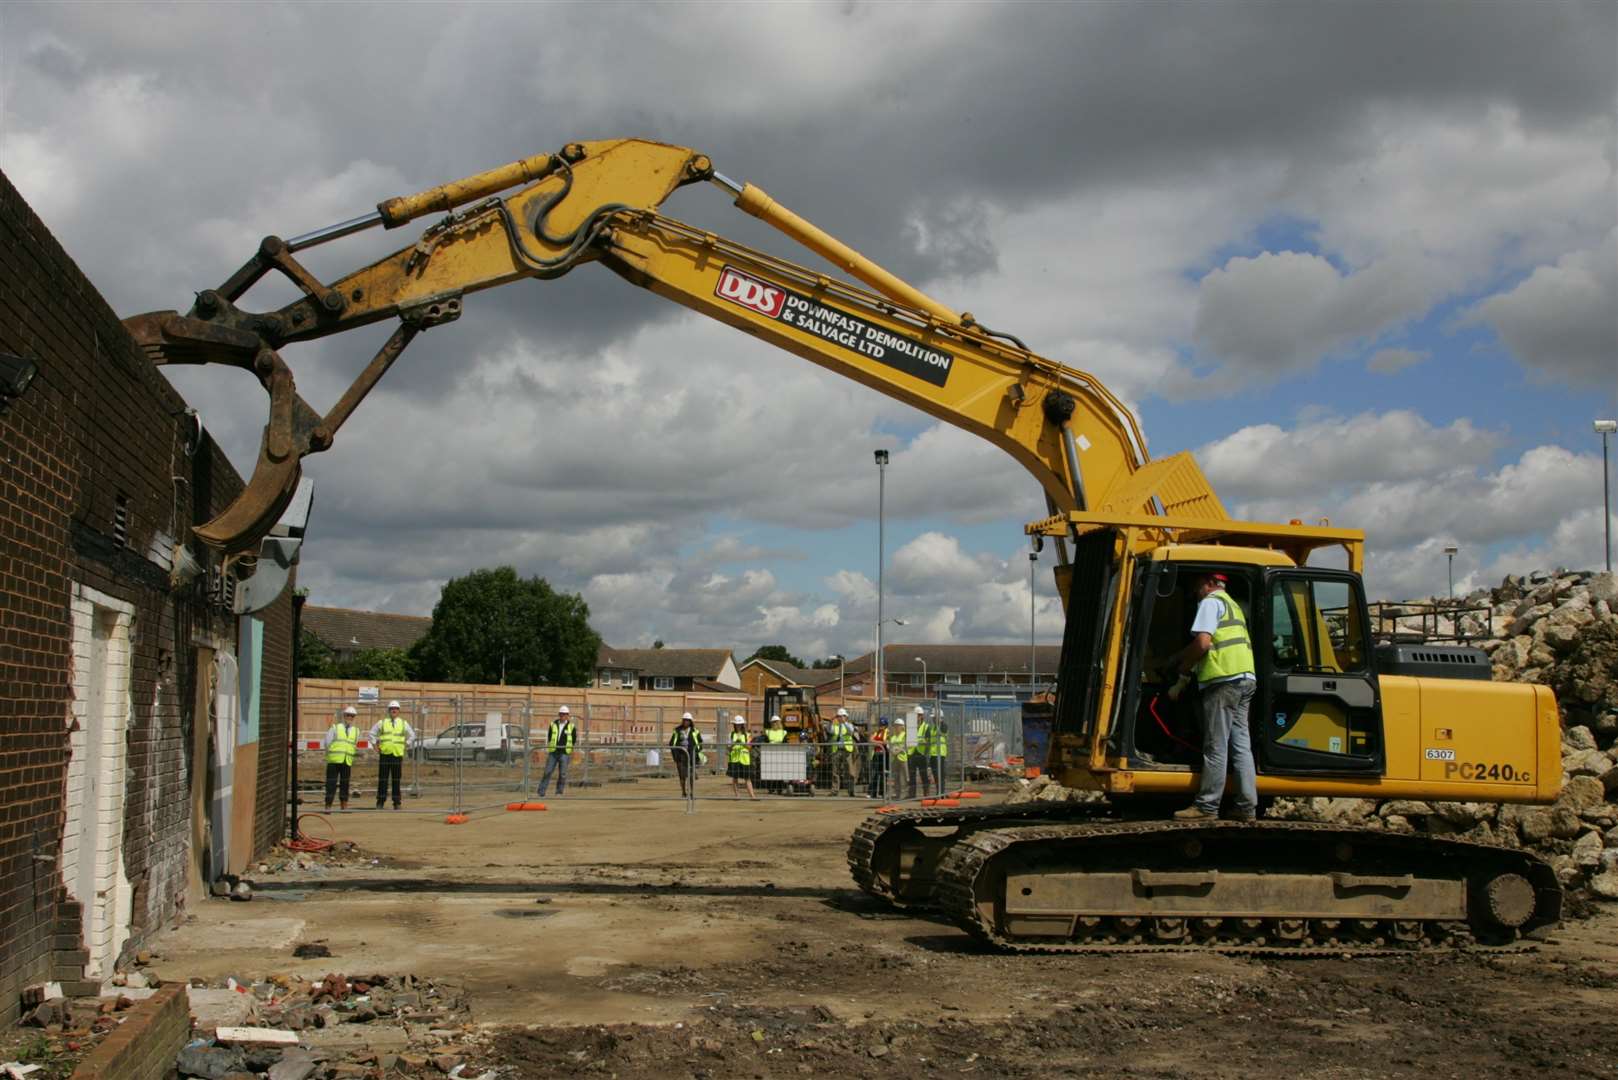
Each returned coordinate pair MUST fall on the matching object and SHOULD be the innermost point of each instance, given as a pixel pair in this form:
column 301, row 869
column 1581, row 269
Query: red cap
column 1221, row 578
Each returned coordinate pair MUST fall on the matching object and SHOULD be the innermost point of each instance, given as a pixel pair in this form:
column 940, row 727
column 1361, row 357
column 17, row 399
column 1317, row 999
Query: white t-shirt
column 1206, row 622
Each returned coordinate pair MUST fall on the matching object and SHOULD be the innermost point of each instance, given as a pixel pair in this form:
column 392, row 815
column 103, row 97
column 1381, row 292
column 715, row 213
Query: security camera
column 16, row 373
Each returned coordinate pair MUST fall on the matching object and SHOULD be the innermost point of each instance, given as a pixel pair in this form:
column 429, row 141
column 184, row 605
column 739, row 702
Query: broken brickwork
column 100, row 473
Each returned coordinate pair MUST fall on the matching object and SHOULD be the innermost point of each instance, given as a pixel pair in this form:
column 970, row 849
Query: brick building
column 132, row 707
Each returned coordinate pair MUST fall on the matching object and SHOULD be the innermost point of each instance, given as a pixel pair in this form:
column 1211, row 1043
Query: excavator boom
column 599, row 201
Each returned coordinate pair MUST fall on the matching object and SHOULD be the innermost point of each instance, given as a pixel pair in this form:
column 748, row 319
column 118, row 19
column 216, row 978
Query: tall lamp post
column 881, row 687
column 923, row 664
column 1450, row 551
column 1605, row 428
column 1033, row 557
column 881, row 557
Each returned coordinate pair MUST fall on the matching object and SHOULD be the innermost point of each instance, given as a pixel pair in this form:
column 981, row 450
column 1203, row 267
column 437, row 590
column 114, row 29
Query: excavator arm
column 599, row 202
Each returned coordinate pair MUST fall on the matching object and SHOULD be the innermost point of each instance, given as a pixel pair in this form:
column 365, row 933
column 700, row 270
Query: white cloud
column 1562, row 321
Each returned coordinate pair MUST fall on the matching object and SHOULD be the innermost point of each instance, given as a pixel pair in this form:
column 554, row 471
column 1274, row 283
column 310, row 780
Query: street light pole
column 923, row 664
column 1450, row 550
column 1605, row 428
column 1033, row 557
column 881, row 557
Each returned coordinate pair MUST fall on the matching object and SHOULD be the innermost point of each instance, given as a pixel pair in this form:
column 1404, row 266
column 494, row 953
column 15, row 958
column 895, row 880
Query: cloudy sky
column 1362, row 258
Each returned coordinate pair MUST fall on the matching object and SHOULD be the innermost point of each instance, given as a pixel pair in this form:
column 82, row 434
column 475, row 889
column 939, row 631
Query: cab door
column 1319, row 707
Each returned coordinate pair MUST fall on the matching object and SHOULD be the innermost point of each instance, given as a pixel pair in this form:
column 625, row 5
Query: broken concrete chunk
column 211, row 1008
column 295, row 1065
column 256, row 1035
column 210, row 1062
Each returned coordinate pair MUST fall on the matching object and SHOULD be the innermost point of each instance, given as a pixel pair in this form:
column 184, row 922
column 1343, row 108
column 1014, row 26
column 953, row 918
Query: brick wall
column 145, row 1045
column 90, row 507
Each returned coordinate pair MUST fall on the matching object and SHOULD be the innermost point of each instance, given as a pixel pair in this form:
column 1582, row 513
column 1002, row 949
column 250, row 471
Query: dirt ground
column 634, row 940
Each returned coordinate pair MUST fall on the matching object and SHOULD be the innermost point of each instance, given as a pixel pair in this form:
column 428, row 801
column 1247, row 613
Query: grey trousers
column 1226, row 745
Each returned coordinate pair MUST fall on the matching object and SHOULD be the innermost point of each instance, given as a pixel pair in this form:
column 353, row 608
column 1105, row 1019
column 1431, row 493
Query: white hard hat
column 899, row 720
column 393, row 705
column 738, row 719
column 920, row 711
column 842, row 712
column 686, row 716
column 349, row 710
column 775, row 719
column 563, row 711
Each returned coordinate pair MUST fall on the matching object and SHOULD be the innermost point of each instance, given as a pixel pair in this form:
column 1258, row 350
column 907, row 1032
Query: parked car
column 480, row 740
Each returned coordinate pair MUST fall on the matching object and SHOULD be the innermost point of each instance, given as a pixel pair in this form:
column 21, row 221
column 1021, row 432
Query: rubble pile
column 339, row 1027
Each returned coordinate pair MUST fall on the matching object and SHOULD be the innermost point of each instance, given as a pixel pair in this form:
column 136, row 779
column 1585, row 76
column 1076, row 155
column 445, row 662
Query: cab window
column 1313, row 627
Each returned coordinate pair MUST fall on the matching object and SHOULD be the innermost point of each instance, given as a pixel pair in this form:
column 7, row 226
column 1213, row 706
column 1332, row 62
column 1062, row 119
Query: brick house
column 758, row 675
column 132, row 708
column 666, row 669
column 346, row 631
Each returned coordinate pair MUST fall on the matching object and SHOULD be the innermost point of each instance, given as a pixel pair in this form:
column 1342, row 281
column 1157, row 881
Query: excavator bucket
column 250, row 517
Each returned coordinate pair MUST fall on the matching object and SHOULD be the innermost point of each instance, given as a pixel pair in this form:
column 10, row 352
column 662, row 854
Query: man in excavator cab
column 1220, row 654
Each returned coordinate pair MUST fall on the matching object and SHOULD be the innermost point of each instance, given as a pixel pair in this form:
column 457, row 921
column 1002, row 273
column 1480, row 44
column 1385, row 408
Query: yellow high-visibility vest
column 844, row 734
column 1232, row 652
column 340, row 751
column 740, row 754
column 390, row 740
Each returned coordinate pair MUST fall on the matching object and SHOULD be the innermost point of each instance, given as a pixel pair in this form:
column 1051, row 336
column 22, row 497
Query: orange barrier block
column 531, row 806
column 929, row 802
column 455, row 819
column 888, row 809
column 946, row 802
column 968, row 795
column 515, row 805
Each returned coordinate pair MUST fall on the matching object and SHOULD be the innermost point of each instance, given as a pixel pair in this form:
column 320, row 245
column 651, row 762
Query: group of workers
column 390, row 735
column 913, row 746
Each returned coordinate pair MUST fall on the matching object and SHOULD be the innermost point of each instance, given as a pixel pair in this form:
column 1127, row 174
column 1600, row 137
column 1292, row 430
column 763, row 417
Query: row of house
column 910, row 670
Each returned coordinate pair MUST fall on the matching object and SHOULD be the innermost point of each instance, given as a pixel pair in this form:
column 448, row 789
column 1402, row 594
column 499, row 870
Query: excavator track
column 1267, row 888
column 889, row 857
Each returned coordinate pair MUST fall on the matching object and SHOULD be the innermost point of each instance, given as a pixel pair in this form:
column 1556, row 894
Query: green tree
column 383, row 665
column 829, row 662
column 314, row 658
column 492, row 624
column 775, row 652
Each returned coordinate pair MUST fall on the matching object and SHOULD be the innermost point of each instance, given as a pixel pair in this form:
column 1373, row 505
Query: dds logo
column 738, row 288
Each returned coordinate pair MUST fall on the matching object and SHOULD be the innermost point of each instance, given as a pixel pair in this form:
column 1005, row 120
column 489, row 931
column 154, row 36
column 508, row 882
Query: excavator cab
column 1316, row 708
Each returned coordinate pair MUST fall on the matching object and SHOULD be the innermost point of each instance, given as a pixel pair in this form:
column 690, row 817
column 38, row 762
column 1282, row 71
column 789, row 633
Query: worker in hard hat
column 840, row 742
column 878, row 788
column 685, row 744
column 900, row 744
column 739, row 767
column 920, row 757
column 391, row 736
column 339, row 742
column 559, row 737
column 1220, row 654
column 774, row 735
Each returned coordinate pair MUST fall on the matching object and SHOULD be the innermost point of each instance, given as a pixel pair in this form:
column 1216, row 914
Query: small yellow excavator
column 1334, row 714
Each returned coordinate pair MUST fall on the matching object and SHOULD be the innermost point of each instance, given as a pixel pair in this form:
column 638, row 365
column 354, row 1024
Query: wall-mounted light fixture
column 16, row 372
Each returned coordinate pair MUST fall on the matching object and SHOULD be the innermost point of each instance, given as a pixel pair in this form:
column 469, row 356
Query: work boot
column 1193, row 813
column 328, row 808
column 1243, row 815
column 343, row 806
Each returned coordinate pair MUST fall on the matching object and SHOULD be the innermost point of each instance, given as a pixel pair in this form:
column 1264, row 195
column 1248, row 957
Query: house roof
column 978, row 659
column 692, row 663
column 345, row 628
column 790, row 672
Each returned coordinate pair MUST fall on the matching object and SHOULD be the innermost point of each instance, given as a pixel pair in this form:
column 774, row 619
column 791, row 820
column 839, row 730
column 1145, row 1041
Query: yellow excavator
column 1334, row 713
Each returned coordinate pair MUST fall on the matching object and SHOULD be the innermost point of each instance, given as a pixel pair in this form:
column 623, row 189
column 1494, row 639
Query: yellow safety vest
column 775, row 736
column 390, row 741
column 899, row 747
column 843, row 733
column 937, row 742
column 739, row 753
column 1232, row 651
column 696, row 739
column 561, row 737
column 340, row 751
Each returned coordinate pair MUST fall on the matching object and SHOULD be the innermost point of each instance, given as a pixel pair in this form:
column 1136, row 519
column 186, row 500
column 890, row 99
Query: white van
column 489, row 739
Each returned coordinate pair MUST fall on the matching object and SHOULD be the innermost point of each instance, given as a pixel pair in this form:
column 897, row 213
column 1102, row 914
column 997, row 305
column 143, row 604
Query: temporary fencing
column 467, row 755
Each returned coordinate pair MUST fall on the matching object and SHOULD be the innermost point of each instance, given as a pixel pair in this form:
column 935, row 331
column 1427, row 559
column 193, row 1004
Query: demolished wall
column 101, row 472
